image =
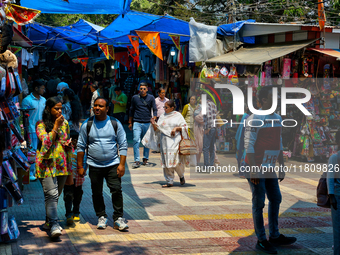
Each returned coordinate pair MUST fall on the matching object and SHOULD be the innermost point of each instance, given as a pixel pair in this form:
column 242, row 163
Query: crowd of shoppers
column 66, row 150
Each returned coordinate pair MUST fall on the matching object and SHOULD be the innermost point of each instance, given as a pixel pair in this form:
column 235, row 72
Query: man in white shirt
column 37, row 101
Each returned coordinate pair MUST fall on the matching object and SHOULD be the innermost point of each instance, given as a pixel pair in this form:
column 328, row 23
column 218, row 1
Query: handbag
column 322, row 192
column 187, row 146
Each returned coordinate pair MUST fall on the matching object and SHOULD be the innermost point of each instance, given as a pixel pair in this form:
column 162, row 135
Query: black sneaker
column 145, row 162
column 266, row 247
column 282, row 240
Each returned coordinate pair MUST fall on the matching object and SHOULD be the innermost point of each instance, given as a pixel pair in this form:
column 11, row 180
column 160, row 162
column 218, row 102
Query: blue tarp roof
column 79, row 6
column 80, row 33
column 116, row 33
column 231, row 29
column 123, row 25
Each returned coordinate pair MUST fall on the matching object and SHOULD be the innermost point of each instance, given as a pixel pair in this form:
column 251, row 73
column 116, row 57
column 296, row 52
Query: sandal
column 168, row 185
column 182, row 180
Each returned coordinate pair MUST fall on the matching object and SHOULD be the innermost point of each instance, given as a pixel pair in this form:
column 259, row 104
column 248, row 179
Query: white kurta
column 169, row 145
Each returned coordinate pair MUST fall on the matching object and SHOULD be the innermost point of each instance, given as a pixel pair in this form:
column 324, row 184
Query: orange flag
column 84, row 61
column 153, row 41
column 105, row 49
column 133, row 54
column 111, row 51
column 321, row 14
column 176, row 40
column 135, row 43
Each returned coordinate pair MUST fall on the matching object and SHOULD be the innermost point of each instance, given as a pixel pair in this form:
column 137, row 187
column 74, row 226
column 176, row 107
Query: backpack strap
column 144, row 102
column 114, row 124
column 88, row 128
column 89, row 125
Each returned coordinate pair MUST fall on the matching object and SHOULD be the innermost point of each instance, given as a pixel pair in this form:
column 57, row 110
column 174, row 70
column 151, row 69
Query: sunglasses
column 142, row 89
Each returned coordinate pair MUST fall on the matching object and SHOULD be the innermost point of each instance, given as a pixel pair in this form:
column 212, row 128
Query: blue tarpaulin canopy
column 79, row 6
column 55, row 38
column 124, row 24
column 116, row 33
column 231, row 29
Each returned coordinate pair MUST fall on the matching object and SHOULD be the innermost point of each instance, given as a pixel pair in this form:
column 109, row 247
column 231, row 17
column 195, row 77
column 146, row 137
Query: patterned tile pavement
column 208, row 215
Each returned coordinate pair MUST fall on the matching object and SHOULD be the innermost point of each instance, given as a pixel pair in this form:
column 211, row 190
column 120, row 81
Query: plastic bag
column 151, row 139
column 202, row 45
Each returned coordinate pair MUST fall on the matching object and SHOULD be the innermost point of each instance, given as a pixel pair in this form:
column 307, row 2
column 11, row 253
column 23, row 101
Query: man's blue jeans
column 209, row 147
column 269, row 186
column 336, row 226
column 139, row 130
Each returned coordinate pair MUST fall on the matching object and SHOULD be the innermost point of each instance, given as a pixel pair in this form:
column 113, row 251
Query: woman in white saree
column 168, row 129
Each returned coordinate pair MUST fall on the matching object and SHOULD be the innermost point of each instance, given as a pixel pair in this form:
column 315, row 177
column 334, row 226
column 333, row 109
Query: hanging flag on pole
column 111, row 51
column 176, row 39
column 58, row 55
column 321, row 14
column 83, row 61
column 14, row 49
column 133, row 54
column 104, row 48
column 85, row 49
column 123, row 58
column 135, row 43
column 153, row 41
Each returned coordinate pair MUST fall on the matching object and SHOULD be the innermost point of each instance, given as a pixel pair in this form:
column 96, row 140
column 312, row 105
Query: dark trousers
column 72, row 196
column 209, row 147
column 114, row 183
column 119, row 116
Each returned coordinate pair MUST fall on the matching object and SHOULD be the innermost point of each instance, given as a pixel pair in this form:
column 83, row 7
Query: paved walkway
column 209, row 215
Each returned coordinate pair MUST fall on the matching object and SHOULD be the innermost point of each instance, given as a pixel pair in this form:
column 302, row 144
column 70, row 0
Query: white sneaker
column 120, row 224
column 102, row 223
column 55, row 231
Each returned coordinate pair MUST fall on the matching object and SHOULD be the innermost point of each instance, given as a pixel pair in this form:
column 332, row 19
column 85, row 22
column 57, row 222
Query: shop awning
column 79, row 6
column 330, row 52
column 261, row 53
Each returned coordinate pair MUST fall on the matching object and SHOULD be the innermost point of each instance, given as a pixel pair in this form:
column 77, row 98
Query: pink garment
column 160, row 105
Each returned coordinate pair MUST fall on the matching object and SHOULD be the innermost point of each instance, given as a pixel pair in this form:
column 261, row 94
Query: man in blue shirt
column 37, row 101
column 140, row 114
column 104, row 162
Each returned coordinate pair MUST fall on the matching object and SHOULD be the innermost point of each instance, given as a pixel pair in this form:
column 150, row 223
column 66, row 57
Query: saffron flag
column 321, row 14
column 111, row 51
column 83, row 61
column 133, row 54
column 176, row 40
column 105, row 49
column 20, row 15
column 85, row 49
column 58, row 55
column 123, row 58
column 14, row 49
column 135, row 43
column 153, row 41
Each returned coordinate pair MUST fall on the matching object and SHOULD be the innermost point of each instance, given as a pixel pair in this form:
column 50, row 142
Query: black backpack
column 89, row 125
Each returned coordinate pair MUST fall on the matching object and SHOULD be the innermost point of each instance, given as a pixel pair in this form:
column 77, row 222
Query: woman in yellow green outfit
column 188, row 114
column 53, row 160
